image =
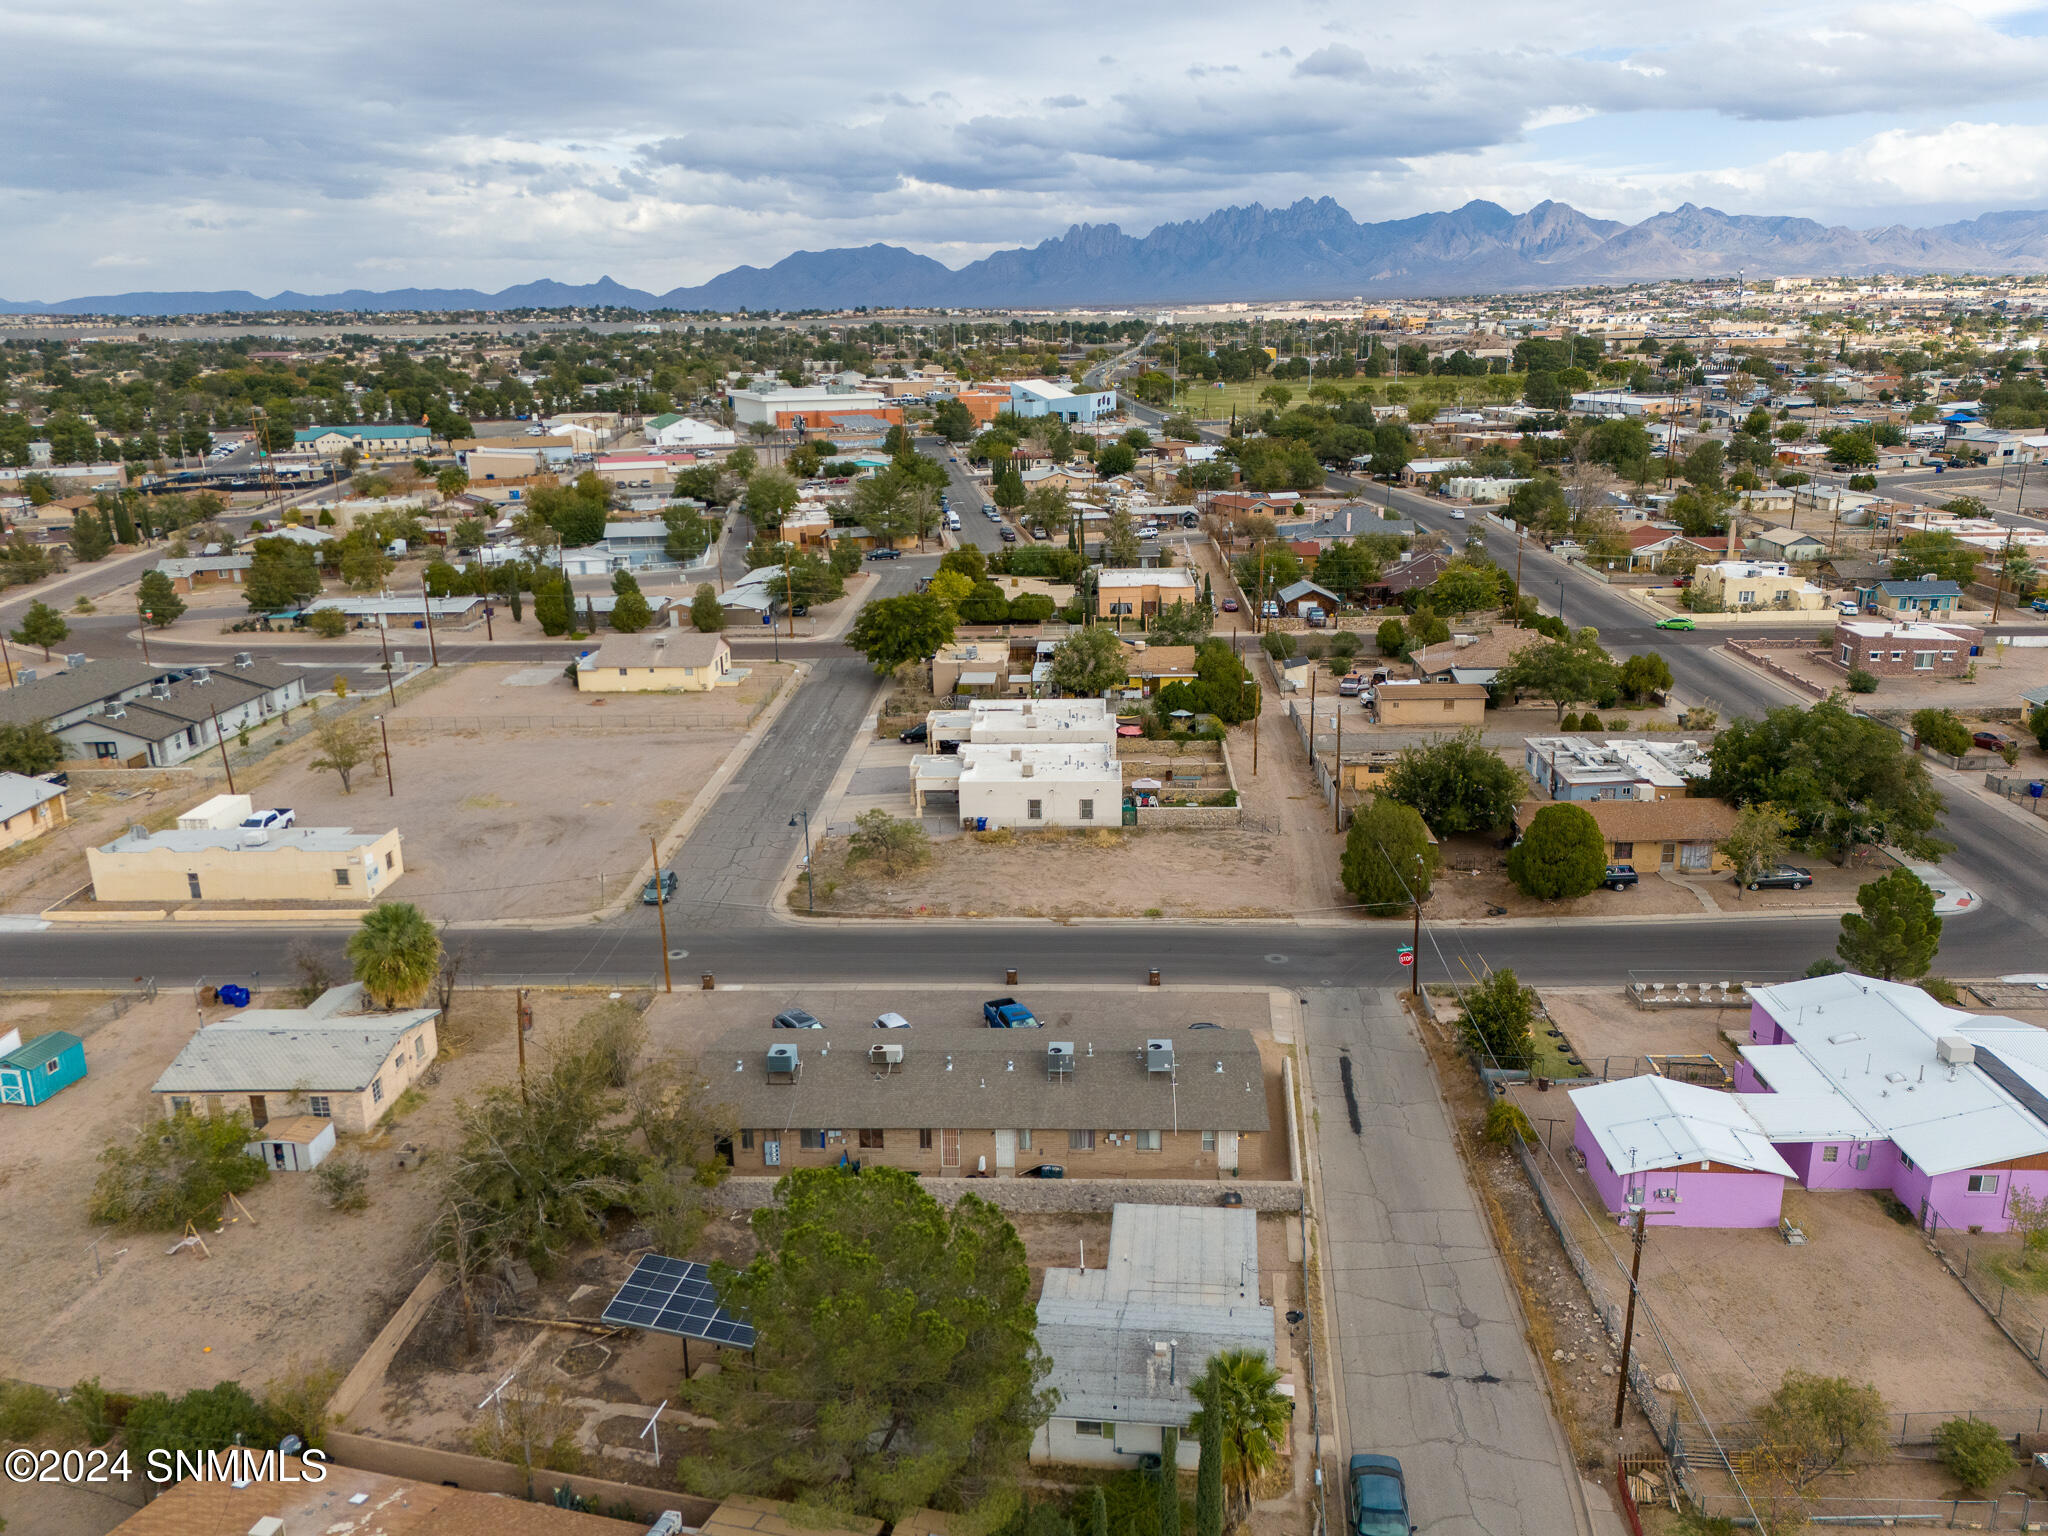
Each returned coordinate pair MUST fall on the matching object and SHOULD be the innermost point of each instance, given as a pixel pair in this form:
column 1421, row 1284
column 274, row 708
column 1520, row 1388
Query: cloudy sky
column 202, row 144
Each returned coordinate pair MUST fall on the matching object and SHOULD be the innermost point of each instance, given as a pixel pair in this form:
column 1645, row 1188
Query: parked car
column 1315, row 617
column 1007, row 1013
column 1990, row 741
column 1377, row 1494
column 885, row 554
column 1009, row 534
column 918, row 732
column 1269, row 609
column 2039, row 605
column 1847, row 610
column 1350, row 687
column 797, row 1018
column 891, row 1021
column 1676, row 622
column 660, row 889
column 1044, row 1171
column 1619, row 877
column 1230, row 605
column 1457, row 514
column 1786, row 877
column 277, row 816
column 990, row 511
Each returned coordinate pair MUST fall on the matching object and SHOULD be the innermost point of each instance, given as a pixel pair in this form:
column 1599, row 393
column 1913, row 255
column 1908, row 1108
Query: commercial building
column 233, row 863
column 1906, row 649
column 29, row 807
column 811, row 408
column 659, row 661
column 337, row 1059
column 126, row 714
column 1039, row 397
column 1579, row 768
column 1737, row 585
column 1102, row 1100
column 673, row 431
column 1127, row 1340
column 1074, row 784
column 330, row 442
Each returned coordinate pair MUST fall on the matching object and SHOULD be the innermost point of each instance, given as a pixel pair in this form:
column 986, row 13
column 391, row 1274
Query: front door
column 1006, row 1149
column 277, row 1153
column 259, row 1112
column 949, row 1149
column 1667, row 856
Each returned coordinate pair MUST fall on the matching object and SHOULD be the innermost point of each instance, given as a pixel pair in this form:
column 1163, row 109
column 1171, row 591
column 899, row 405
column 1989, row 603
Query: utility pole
column 1415, row 949
column 141, row 634
column 390, row 785
column 1998, row 589
column 661, row 915
column 427, row 607
column 1337, row 773
column 385, row 645
column 522, row 1022
column 222, row 742
column 1521, row 542
column 1628, row 1326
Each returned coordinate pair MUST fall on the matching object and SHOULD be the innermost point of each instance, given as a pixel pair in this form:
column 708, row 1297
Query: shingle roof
column 46, row 697
column 657, row 648
column 276, row 1049
column 1919, row 589
column 1648, row 821
column 978, row 1078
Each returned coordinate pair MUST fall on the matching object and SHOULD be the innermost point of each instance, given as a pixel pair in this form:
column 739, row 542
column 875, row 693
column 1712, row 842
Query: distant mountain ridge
column 1312, row 249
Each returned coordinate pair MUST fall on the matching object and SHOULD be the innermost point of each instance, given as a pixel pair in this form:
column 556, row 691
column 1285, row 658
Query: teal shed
column 47, row 1065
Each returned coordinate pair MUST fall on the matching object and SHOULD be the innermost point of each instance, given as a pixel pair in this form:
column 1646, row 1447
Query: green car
column 1676, row 624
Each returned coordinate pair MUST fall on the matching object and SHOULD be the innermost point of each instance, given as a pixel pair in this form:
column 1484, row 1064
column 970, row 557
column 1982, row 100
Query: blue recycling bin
column 2035, row 788
column 234, row 994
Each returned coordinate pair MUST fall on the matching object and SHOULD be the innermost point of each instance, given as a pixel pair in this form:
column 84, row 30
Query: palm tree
column 1241, row 1387
column 396, row 953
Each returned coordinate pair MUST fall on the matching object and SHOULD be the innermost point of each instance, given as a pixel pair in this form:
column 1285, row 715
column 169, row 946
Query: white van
column 953, row 521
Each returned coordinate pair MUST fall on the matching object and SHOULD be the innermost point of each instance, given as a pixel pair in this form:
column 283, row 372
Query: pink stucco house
column 1846, row 1083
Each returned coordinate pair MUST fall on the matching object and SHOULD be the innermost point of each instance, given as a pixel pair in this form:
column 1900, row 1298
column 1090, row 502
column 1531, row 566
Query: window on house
column 50, row 1065
column 376, row 1090
column 317, row 1105
column 104, row 750
column 1876, row 656
column 1094, row 1430
column 1624, row 850
column 390, row 861
column 1034, row 810
column 746, row 1141
column 622, row 671
column 1923, row 661
column 1080, row 1141
column 181, row 1106
column 1983, row 1183
column 811, row 1141
column 1906, row 1161
column 1087, row 810
column 1847, row 655
column 341, row 877
column 1898, row 655
column 924, row 1141
column 1024, row 1140
column 1148, row 1141
column 192, row 884
column 1208, row 1141
column 871, row 1140
column 419, row 1049
column 1831, row 1154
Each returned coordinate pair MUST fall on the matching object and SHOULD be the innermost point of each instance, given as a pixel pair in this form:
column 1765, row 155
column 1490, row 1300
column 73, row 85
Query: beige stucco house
column 659, row 661
column 1738, row 585
column 29, row 808
column 321, row 864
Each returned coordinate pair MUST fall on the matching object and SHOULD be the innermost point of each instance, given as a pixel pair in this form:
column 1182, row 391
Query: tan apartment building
column 1142, row 593
column 1446, row 705
column 1098, row 1101
column 29, row 808
column 314, row 864
column 337, row 1059
column 1738, row 585
column 659, row 661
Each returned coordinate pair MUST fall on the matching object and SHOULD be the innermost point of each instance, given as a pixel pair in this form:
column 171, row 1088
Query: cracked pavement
column 1428, row 1339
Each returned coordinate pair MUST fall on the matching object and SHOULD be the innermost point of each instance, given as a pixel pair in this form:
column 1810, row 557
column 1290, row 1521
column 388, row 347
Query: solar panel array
column 665, row 1295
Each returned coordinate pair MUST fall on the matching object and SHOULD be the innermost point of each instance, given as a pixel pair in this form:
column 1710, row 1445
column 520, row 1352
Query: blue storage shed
column 48, row 1064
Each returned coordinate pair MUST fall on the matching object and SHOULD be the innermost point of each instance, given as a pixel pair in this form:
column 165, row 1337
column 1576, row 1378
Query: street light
column 810, row 879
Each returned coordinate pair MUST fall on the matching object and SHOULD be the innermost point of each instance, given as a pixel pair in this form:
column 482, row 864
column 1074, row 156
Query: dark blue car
column 1378, row 1497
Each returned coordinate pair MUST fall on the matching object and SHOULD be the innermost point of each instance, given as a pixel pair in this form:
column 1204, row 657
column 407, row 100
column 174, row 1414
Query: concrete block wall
column 1032, row 1195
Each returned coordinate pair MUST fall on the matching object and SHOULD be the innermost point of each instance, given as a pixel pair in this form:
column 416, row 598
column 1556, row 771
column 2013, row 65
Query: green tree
column 1758, row 843
column 1168, row 1476
column 845, row 558
column 553, row 609
column 898, row 1366
column 1178, row 623
column 1425, row 628
column 706, row 613
column 1389, row 859
column 631, row 613
column 688, row 534
column 1570, row 671
column 156, row 601
column 952, row 421
column 174, row 1171
column 281, row 575
column 451, row 482
column 1942, row 730
column 1895, row 934
column 1089, row 662
column 1976, row 1454
column 1240, row 1388
column 1116, row 459
column 1457, row 784
column 1841, row 778
column 893, row 630
column 1644, row 675
column 345, row 744
column 1814, row 1425
column 1046, row 507
column 1209, row 1472
column 771, row 496
column 41, row 625
column 29, row 749
column 1120, row 545
column 395, row 953
column 895, row 844
column 1500, row 1019
column 91, row 539
column 1938, row 556
column 1560, row 855
column 1391, row 637
column 124, row 523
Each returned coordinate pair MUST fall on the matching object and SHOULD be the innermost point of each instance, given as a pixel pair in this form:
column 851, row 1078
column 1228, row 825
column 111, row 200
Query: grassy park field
column 1214, row 402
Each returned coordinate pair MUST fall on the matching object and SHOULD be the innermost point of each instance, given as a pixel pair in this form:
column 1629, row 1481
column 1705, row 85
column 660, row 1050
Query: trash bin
column 235, row 995
column 2035, row 788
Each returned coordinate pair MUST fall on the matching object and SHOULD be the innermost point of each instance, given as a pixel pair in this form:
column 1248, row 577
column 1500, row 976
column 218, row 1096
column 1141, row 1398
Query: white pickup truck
column 270, row 820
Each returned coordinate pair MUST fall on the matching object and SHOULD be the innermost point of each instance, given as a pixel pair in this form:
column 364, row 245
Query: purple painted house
column 1690, row 1156
column 1866, row 1084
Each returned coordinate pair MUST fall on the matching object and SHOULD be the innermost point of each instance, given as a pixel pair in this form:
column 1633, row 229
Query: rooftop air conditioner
column 245, row 659
column 782, row 1058
column 1158, row 1055
column 1059, row 1056
column 159, row 690
column 74, row 658
column 887, row 1053
column 1955, row 1050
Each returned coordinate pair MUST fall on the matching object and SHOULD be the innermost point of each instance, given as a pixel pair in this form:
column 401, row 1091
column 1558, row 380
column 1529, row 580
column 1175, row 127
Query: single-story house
column 1679, row 834
column 1686, row 1155
column 205, row 571
column 659, row 661
column 126, row 714
column 1466, row 658
column 1445, row 706
column 1153, row 666
column 1914, row 597
column 1141, row 593
column 1101, row 1101
column 1890, row 649
column 1412, row 571
column 1297, row 598
column 338, row 1058
column 48, row 1064
column 1127, row 1338
column 29, row 808
column 179, row 864
column 1783, row 544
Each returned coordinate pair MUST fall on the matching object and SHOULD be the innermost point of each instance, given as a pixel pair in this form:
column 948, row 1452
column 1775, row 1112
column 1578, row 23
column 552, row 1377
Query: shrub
column 27, row 1412
column 345, row 1181
column 1390, row 637
column 1941, row 730
column 328, row 623
column 1940, row 988
column 1975, row 1453
column 1589, row 722
column 1560, row 855
column 174, row 1171
column 1826, row 965
column 1505, row 1121
column 614, row 1035
column 1388, row 858
column 1277, row 644
column 1500, row 1015
column 1346, row 643
column 1568, row 723
column 1861, row 681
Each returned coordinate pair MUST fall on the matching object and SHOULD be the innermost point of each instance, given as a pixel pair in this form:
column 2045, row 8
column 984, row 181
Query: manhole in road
column 1276, row 959
column 679, row 954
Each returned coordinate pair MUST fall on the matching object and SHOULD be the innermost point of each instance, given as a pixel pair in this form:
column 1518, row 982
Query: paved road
column 966, row 496
column 1432, row 1362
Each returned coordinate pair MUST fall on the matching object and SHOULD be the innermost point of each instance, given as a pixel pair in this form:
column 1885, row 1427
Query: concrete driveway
column 1432, row 1364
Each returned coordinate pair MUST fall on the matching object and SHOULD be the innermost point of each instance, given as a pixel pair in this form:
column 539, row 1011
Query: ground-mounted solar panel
column 665, row 1295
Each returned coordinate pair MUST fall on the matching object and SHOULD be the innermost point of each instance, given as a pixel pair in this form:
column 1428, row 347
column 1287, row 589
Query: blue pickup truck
column 1007, row 1013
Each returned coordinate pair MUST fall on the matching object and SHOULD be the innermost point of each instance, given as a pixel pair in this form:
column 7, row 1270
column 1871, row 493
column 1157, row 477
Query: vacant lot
column 301, row 1283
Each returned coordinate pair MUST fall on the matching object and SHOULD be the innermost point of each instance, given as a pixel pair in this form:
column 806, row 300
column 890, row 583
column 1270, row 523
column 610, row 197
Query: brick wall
column 1180, row 1154
column 1957, row 652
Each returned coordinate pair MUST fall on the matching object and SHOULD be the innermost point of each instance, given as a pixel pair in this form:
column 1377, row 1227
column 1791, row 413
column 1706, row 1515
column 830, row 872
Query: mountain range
column 1312, row 249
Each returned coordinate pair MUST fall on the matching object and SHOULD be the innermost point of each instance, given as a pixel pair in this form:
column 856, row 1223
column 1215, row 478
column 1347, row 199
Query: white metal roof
column 1651, row 1122
column 19, row 792
column 1873, row 1043
column 317, row 1049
